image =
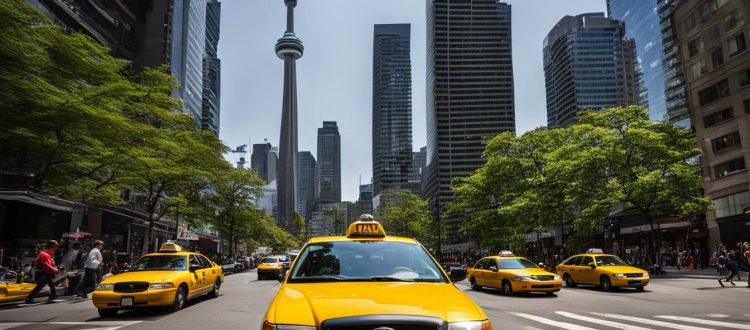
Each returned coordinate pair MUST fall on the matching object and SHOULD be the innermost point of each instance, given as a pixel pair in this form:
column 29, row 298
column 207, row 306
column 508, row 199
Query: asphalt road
column 668, row 303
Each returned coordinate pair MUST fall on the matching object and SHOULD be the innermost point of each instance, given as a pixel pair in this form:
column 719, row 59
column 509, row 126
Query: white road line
column 616, row 325
column 706, row 322
column 650, row 322
column 717, row 315
column 4, row 326
column 561, row 325
column 96, row 325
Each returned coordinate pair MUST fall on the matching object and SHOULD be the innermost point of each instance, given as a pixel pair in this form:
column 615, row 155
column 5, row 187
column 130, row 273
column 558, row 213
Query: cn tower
column 288, row 48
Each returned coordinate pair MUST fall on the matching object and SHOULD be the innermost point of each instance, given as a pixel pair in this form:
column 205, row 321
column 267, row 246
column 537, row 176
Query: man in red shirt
column 45, row 272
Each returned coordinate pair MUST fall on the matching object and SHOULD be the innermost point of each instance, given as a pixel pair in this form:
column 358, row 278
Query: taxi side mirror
column 591, row 264
column 493, row 268
column 456, row 275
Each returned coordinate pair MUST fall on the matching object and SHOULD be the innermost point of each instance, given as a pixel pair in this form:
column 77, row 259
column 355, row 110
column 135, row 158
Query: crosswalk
column 593, row 320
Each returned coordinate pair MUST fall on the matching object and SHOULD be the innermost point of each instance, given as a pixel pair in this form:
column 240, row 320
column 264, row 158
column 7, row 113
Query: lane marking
column 706, row 322
column 562, row 325
column 611, row 324
column 649, row 322
column 95, row 325
column 717, row 315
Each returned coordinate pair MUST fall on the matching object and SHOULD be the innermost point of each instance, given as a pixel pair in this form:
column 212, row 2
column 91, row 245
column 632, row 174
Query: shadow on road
column 148, row 314
column 527, row 295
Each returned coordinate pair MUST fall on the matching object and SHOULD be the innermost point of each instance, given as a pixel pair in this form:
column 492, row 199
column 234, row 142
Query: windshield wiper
column 389, row 279
column 322, row 278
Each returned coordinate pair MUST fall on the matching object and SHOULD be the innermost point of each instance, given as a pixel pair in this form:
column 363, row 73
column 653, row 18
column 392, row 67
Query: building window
column 746, row 105
column 737, row 44
column 717, row 57
column 732, row 204
column 730, row 167
column 700, row 68
column 730, row 22
column 690, row 24
column 726, row 142
column 718, row 117
column 744, row 78
column 694, row 47
column 713, row 93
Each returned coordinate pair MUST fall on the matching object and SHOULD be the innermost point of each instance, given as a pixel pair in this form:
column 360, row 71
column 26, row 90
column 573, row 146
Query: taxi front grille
column 395, row 322
column 544, row 277
column 131, row 286
column 634, row 275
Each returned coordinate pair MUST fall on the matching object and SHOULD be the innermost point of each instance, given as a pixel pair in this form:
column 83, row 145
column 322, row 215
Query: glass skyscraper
column 588, row 64
column 211, row 69
column 391, row 107
column 648, row 23
column 469, row 93
column 329, row 163
column 305, row 184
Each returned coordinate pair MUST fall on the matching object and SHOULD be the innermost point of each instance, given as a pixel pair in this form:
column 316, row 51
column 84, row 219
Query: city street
column 674, row 302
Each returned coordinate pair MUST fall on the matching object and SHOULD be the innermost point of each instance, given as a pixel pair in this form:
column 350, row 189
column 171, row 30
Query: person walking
column 731, row 268
column 45, row 272
column 91, row 267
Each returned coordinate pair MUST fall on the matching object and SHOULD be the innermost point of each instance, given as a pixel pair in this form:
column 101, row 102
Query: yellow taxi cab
column 368, row 280
column 271, row 267
column 512, row 274
column 14, row 291
column 604, row 270
column 167, row 278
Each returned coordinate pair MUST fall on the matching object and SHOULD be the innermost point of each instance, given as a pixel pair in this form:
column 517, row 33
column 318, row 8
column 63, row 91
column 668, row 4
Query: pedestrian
column 91, row 266
column 45, row 272
column 72, row 259
column 747, row 261
column 727, row 263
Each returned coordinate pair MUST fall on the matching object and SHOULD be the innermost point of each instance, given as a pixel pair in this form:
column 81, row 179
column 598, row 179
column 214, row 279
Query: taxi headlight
column 470, row 325
column 523, row 278
column 645, row 274
column 160, row 285
column 557, row 277
column 269, row 326
column 619, row 275
column 105, row 287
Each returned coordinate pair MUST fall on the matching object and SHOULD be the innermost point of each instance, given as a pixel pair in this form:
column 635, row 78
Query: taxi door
column 479, row 271
column 198, row 276
column 574, row 269
column 211, row 272
column 492, row 279
column 587, row 274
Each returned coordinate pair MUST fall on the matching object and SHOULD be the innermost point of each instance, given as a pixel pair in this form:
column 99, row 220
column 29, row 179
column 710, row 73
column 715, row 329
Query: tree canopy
column 405, row 214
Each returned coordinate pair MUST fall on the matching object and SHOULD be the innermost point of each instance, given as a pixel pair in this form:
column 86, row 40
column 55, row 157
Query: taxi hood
column 312, row 303
column 152, row 276
column 624, row 269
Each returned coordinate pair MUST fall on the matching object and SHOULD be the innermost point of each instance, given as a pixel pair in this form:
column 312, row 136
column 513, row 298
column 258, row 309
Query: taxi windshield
column 517, row 264
column 609, row 261
column 160, row 263
column 365, row 261
column 270, row 260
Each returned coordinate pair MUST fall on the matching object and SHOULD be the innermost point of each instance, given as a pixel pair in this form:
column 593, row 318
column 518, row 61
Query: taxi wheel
column 215, row 292
column 474, row 285
column 507, row 288
column 639, row 288
column 179, row 299
column 569, row 281
column 107, row 312
column 605, row 284
column 260, row 278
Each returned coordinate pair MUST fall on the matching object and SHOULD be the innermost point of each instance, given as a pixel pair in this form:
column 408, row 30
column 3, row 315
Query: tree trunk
column 655, row 237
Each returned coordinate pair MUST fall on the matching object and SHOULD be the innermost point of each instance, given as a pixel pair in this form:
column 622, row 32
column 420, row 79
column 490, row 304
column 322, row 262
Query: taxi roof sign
column 366, row 226
column 594, row 251
column 170, row 246
column 506, row 253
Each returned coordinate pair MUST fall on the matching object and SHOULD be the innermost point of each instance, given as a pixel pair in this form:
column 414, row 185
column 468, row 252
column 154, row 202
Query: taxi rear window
column 365, row 261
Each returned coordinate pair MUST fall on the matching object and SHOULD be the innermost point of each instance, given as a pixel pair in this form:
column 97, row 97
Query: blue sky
column 334, row 77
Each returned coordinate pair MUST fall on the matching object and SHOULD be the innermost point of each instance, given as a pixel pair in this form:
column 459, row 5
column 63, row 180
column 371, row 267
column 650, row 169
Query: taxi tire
column 474, row 285
column 569, row 281
column 605, row 284
column 640, row 288
column 108, row 312
column 180, row 296
column 507, row 288
column 215, row 292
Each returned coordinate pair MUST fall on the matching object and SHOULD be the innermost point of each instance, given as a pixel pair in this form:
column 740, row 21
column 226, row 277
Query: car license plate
column 126, row 301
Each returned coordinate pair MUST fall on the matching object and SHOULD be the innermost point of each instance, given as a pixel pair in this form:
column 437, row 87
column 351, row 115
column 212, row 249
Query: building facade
column 306, row 166
column 391, row 107
column 329, row 163
column 588, row 64
column 211, row 106
column 662, row 90
column 712, row 38
column 469, row 92
column 264, row 160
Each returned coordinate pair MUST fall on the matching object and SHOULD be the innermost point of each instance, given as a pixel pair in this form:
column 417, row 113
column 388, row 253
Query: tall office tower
column 391, row 107
column 288, row 48
column 111, row 23
column 329, row 163
column 305, row 184
column 712, row 39
column 469, row 92
column 174, row 32
column 264, row 160
column 365, row 192
column 663, row 87
column 588, row 64
column 211, row 69
column 419, row 161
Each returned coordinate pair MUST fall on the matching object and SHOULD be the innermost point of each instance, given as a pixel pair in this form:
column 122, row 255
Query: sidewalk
column 708, row 273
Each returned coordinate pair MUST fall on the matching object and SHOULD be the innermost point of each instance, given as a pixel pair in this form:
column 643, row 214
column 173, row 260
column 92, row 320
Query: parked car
column 238, row 266
column 227, row 266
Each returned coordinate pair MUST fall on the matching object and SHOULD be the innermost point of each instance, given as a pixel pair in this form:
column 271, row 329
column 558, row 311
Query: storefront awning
column 50, row 202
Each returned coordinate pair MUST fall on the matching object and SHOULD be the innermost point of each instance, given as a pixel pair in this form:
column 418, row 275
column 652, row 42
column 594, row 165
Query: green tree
column 405, row 214
column 298, row 228
column 338, row 217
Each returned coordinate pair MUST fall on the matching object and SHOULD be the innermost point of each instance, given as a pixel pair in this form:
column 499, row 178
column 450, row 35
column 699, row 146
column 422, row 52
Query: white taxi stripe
column 561, row 325
column 706, row 322
column 610, row 324
column 650, row 322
